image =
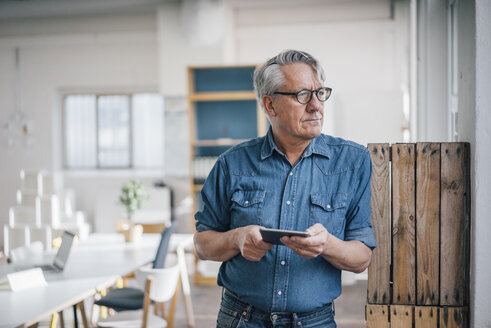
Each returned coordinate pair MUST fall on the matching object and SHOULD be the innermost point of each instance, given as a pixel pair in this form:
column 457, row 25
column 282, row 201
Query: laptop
column 61, row 256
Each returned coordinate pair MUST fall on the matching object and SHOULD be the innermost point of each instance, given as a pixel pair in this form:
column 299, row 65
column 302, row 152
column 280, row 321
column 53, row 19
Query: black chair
column 129, row 298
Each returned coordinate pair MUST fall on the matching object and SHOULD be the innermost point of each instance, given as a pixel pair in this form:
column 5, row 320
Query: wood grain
column 377, row 316
column 426, row 316
column 454, row 225
column 401, row 316
column 403, row 224
column 379, row 269
column 453, row 317
column 427, row 223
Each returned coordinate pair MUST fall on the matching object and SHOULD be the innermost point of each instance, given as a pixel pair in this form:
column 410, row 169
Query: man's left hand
column 312, row 246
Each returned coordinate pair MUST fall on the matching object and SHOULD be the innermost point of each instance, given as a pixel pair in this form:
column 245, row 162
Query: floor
column 350, row 306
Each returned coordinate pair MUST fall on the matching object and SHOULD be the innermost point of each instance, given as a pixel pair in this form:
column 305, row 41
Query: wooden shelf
column 218, row 142
column 197, row 187
column 219, row 96
column 223, row 112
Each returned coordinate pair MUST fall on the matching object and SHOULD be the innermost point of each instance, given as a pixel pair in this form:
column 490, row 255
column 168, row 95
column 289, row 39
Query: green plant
column 133, row 193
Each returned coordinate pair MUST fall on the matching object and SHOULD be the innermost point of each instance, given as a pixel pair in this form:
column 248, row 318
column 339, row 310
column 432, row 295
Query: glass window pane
column 148, row 130
column 113, row 121
column 80, row 131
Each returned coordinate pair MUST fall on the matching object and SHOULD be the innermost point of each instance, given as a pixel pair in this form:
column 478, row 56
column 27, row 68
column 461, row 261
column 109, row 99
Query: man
column 293, row 178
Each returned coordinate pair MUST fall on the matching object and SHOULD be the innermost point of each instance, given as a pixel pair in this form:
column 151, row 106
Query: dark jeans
column 237, row 314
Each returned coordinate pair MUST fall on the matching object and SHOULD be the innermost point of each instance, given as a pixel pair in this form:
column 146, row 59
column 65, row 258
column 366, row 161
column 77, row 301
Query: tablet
column 273, row 235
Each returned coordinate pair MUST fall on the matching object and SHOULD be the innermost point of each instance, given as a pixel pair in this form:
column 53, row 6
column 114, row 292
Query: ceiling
column 25, row 9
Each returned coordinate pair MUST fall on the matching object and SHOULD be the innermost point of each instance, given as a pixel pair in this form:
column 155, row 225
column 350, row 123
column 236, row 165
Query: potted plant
column 133, row 193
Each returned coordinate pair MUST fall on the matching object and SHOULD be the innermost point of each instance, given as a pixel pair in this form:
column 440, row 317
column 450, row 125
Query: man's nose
column 314, row 104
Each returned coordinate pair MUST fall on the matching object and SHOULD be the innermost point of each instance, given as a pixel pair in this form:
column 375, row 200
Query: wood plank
column 453, row 317
column 377, row 316
column 379, row 270
column 403, row 224
column 427, row 223
column 454, row 224
column 401, row 316
column 426, row 316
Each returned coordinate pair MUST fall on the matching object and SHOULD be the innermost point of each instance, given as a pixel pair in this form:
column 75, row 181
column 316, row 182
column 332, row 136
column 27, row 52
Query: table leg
column 81, row 307
column 186, row 288
column 62, row 320
column 75, row 318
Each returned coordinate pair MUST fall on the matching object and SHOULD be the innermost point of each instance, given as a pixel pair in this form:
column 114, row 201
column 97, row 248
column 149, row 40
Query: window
column 114, row 131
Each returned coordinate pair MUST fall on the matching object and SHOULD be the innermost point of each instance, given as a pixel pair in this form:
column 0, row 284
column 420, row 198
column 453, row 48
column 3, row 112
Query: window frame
column 98, row 167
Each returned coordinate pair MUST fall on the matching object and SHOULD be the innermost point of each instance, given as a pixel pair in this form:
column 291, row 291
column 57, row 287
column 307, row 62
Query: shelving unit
column 223, row 112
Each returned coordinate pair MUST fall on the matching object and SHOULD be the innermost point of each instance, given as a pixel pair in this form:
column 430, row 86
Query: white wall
column 475, row 127
column 69, row 60
column 362, row 46
column 363, row 51
column 176, row 52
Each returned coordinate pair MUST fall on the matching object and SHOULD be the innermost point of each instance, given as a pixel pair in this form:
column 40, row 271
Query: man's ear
column 268, row 104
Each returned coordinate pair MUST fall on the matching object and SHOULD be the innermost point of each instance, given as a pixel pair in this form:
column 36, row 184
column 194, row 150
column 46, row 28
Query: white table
column 93, row 264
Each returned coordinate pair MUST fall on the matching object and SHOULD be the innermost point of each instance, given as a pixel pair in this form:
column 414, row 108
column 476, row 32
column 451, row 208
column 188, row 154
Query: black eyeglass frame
column 303, row 90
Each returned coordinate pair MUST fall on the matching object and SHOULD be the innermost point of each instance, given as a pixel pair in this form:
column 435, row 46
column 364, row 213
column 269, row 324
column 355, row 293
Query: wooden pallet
column 421, row 214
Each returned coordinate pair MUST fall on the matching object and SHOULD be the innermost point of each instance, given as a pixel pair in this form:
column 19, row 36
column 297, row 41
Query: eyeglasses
column 305, row 96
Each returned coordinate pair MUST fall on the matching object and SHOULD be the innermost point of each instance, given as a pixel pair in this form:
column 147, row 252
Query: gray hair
column 269, row 78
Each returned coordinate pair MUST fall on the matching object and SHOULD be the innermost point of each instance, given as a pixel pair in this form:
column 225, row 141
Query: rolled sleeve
column 365, row 235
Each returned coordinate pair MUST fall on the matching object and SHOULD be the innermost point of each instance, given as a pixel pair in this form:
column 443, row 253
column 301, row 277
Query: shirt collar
column 268, row 145
column 316, row 146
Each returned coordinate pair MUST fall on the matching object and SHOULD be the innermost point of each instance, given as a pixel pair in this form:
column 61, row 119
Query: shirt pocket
column 247, row 208
column 330, row 211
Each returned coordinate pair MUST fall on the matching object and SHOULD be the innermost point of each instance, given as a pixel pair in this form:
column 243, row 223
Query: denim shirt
column 254, row 184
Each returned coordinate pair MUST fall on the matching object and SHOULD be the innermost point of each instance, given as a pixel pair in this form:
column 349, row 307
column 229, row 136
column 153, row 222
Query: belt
column 249, row 309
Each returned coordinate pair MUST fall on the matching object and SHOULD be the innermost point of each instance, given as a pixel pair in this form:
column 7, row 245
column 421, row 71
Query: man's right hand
column 251, row 243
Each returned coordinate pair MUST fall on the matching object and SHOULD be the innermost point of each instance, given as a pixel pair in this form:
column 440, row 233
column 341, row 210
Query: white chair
column 31, row 180
column 15, row 237
column 160, row 286
column 26, row 197
column 23, row 215
column 67, row 202
column 22, row 254
column 48, row 210
column 43, row 234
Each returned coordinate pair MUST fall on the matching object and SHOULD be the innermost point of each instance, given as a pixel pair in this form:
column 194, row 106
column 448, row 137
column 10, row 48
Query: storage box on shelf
column 223, row 112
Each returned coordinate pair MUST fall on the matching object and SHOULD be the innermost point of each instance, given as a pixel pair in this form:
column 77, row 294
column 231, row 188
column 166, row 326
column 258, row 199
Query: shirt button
column 327, row 206
column 288, row 202
column 247, row 202
column 291, row 173
column 275, row 317
column 282, row 262
column 279, row 292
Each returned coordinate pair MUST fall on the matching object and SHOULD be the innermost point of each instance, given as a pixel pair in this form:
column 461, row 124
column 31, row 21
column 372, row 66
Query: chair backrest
column 163, row 248
column 31, row 180
column 48, row 210
column 164, row 282
column 43, row 234
column 14, row 237
column 21, row 254
column 23, row 215
column 26, row 197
